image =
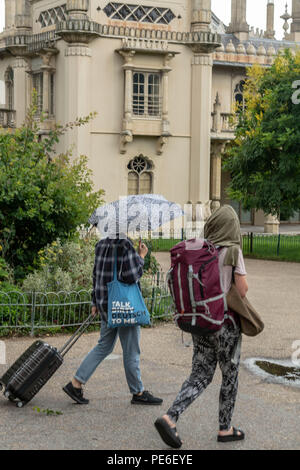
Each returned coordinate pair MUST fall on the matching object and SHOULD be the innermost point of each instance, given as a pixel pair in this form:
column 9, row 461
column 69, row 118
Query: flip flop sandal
column 167, row 433
column 232, row 437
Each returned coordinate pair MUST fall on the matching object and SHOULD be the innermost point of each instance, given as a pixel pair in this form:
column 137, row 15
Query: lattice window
column 146, row 94
column 140, row 176
column 53, row 16
column 140, row 13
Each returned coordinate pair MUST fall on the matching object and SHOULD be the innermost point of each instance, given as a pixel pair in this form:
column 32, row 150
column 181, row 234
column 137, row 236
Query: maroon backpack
column 196, row 287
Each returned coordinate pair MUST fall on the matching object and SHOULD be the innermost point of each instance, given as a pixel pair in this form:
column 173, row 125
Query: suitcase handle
column 75, row 337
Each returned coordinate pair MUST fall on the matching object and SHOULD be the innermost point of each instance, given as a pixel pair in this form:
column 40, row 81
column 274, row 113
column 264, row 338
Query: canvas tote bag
column 126, row 306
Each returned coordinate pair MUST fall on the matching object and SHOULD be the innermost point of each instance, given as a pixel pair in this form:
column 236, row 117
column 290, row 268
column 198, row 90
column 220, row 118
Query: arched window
column 140, row 176
column 9, row 88
column 239, row 94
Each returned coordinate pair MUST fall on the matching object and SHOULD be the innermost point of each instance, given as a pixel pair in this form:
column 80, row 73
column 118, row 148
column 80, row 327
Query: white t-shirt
column 226, row 271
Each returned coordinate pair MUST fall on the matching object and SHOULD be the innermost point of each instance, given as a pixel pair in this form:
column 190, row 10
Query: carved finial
column 286, row 17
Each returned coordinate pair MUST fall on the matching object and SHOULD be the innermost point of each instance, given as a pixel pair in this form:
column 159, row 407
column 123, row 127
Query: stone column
column 217, row 149
column 23, row 14
column 200, row 127
column 238, row 24
column 128, row 70
column 201, row 15
column 29, row 86
column 77, row 9
column 10, row 12
column 270, row 31
column 295, row 26
column 271, row 225
column 77, row 95
column 126, row 134
column 165, row 130
column 19, row 68
column 46, row 69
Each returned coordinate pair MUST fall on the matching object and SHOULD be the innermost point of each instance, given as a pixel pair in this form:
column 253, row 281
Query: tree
column 43, row 196
column 264, row 159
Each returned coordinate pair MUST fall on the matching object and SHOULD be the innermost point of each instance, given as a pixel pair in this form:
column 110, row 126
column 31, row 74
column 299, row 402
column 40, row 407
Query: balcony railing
column 7, row 118
column 222, row 122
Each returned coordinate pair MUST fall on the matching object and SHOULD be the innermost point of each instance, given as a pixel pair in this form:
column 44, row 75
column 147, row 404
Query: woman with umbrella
column 118, row 249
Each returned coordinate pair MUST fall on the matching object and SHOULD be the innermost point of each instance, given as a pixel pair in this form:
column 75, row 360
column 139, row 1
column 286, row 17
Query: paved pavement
column 268, row 413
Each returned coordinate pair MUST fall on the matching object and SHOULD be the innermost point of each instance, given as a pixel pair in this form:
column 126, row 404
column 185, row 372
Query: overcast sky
column 256, row 15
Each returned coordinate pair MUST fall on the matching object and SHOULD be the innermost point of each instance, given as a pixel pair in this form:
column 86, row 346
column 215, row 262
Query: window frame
column 147, row 170
column 146, row 96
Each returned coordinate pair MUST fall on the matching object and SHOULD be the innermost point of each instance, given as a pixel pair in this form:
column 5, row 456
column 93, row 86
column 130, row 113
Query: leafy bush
column 6, row 273
column 64, row 267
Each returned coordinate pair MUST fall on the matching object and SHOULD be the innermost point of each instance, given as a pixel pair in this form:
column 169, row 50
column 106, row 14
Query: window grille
column 140, row 13
column 53, row 16
column 146, row 95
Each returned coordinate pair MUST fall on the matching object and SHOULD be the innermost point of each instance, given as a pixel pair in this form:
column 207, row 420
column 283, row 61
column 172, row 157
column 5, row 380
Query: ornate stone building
column 162, row 75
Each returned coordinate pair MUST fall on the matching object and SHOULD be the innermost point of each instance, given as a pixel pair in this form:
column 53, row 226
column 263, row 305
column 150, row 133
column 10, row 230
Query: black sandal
column 233, row 437
column 167, row 433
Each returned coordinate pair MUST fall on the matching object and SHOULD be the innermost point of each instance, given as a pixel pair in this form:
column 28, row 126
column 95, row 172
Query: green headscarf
column 223, row 229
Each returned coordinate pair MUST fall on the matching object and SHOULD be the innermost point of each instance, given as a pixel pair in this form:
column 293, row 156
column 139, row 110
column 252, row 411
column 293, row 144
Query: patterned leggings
column 224, row 348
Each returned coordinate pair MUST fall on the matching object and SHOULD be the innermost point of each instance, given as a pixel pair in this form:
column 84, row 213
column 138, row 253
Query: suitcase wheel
column 7, row 394
column 19, row 404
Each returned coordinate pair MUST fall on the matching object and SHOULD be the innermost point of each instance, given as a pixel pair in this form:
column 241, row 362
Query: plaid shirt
column 129, row 269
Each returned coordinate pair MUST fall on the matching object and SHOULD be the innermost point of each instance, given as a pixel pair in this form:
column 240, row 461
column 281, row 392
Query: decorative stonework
column 202, row 59
column 78, row 30
column 145, row 44
column 78, row 50
column 77, row 9
column 19, row 63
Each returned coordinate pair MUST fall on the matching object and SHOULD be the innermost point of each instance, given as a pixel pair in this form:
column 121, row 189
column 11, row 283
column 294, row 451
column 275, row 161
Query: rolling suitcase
column 16, row 365
column 32, row 370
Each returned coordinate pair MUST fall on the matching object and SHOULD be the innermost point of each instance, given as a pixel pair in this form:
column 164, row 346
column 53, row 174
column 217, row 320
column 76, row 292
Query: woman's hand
column 142, row 250
column 94, row 311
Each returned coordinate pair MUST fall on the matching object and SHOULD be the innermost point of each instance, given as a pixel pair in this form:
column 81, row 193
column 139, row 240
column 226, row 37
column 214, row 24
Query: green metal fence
column 36, row 311
column 281, row 247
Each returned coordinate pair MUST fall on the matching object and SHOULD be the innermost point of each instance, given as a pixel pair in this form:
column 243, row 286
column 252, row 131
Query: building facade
column 162, row 76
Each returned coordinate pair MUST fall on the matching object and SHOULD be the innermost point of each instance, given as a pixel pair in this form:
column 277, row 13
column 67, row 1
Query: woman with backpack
column 223, row 231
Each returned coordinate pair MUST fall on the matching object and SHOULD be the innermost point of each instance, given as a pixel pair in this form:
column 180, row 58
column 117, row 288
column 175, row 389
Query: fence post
column 251, row 242
column 157, row 278
column 152, row 301
column 33, row 313
column 278, row 245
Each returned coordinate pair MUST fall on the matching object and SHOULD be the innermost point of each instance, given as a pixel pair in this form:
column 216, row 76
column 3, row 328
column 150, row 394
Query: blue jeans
column 130, row 339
